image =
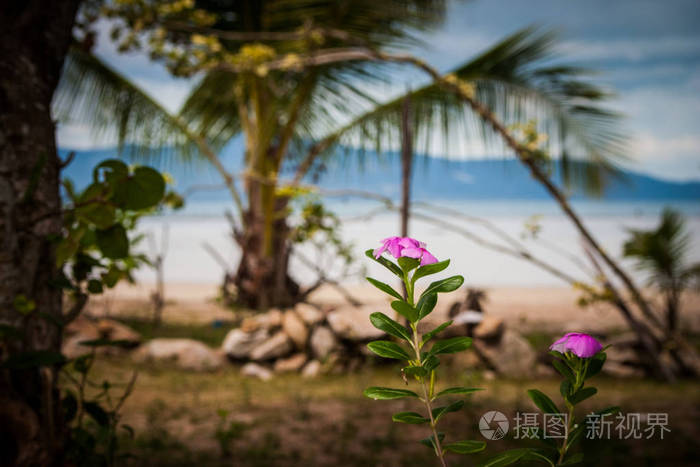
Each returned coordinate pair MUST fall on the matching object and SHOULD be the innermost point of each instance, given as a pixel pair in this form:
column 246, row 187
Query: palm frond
column 516, row 80
column 93, row 93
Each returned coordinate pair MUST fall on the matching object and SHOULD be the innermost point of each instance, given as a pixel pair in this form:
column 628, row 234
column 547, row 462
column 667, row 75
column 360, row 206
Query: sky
column 647, row 52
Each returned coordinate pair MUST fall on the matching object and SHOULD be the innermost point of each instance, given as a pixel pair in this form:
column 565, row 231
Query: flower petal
column 412, row 252
column 427, row 258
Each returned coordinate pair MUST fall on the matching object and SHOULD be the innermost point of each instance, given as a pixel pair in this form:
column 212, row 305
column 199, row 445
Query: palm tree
column 662, row 254
column 298, row 117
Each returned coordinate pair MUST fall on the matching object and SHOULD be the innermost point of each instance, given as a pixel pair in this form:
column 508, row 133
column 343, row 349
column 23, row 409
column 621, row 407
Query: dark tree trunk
column 262, row 279
column 35, row 39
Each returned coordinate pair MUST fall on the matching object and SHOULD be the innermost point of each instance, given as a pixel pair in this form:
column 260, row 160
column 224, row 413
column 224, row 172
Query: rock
column 293, row 363
column 544, row 371
column 309, row 313
column 490, row 327
column 268, row 321
column 253, row 370
column 276, row 346
column 510, row 356
column 294, row 327
column 322, row 342
column 238, row 344
column 353, row 323
column 465, row 361
column 311, row 369
column 468, row 317
column 621, row 370
column 84, row 329
column 185, row 353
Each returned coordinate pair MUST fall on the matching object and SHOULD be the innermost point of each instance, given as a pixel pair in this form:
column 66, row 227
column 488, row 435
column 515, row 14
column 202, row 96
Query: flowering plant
column 413, row 262
column 577, row 357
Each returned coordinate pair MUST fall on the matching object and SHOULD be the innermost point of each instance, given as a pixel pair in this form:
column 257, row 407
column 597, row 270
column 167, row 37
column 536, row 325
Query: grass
column 211, row 334
column 217, row 419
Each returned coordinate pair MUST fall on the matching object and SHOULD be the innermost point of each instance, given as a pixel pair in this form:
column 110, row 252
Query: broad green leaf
column 453, row 345
column 542, row 401
column 33, row 359
column 379, row 393
column 429, row 269
column 408, row 264
column 385, row 288
column 466, row 447
column 426, row 304
column 429, row 335
column 405, row 310
column 505, row 458
column 595, row 365
column 565, row 389
column 582, row 394
column 415, row 371
column 100, row 214
column 409, row 417
column 384, row 323
column 457, row 390
column 386, row 263
column 113, row 242
column 144, row 189
column 113, row 170
column 444, row 285
column 388, row 349
column 438, row 412
column 564, row 370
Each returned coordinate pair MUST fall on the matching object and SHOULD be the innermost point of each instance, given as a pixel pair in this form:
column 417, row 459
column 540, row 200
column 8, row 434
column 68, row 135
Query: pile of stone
column 304, row 339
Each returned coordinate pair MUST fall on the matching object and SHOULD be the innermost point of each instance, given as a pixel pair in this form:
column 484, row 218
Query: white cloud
column 633, row 50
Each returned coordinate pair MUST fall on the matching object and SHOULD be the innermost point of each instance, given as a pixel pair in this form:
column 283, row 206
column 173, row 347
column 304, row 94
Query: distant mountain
column 433, row 178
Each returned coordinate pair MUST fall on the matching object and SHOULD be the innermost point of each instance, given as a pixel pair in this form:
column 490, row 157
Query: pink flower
column 406, row 247
column 582, row 345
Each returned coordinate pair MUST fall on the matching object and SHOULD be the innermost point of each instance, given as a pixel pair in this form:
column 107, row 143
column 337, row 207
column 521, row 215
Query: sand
column 527, row 309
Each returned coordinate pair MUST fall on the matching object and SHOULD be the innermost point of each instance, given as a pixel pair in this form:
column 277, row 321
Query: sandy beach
column 527, row 309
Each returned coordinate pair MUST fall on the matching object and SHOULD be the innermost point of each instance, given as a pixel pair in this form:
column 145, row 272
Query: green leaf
column 466, row 447
column 100, row 214
column 386, row 263
column 379, row 393
column 409, row 417
column 505, row 458
column 408, row 264
column 384, row 323
column 388, row 349
column 457, row 390
column 385, row 288
column 429, row 335
column 426, row 304
column 453, row 345
column 114, row 171
column 430, row 362
column 542, row 401
column 113, row 242
column 582, row 394
column 565, row 389
column 438, row 412
column 429, row 269
column 405, row 310
column 564, row 370
column 415, row 371
column 595, row 365
column 142, row 190
column 33, row 359
column 444, row 285
column 94, row 286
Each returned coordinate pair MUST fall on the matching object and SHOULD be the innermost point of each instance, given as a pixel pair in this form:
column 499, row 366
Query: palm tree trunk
column 406, row 164
column 35, row 39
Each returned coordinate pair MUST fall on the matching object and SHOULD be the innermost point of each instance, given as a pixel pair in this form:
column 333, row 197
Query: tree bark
column 35, row 39
column 406, row 164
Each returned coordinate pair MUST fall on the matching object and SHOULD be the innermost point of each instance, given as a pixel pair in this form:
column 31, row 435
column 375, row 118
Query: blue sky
column 647, row 51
